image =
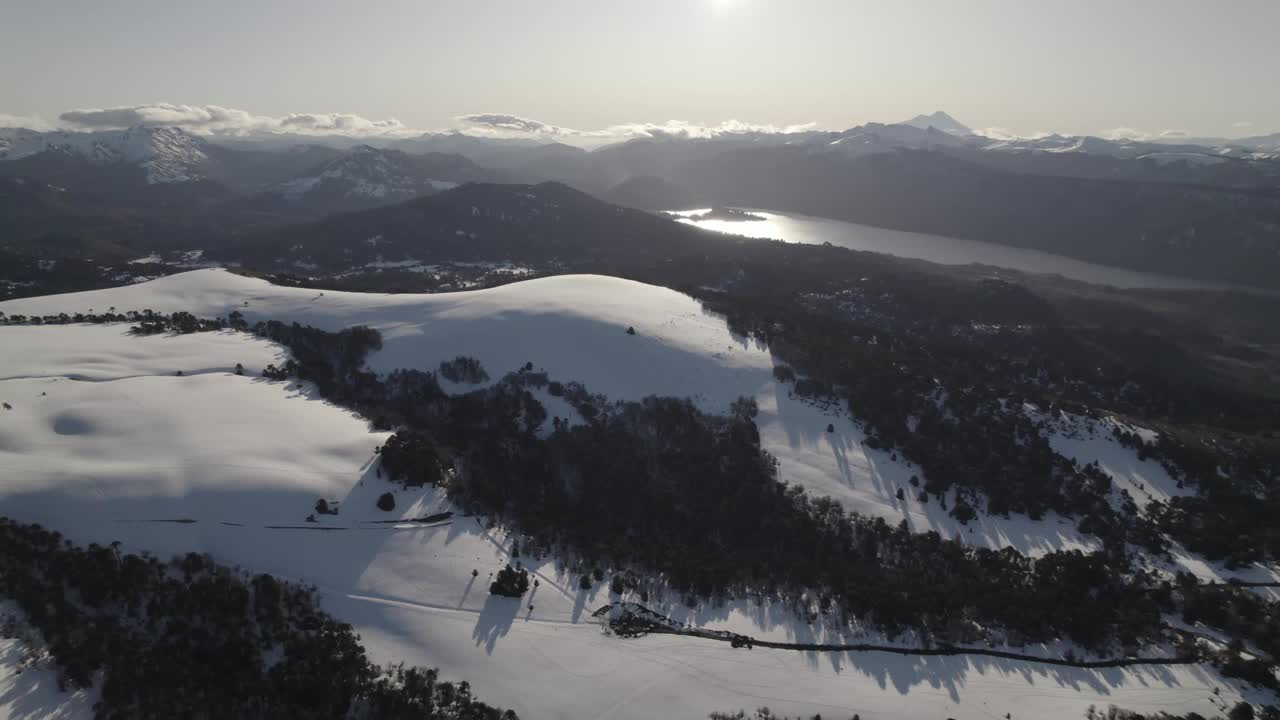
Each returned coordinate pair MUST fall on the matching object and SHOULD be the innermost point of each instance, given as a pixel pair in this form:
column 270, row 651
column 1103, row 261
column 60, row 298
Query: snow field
column 231, row 465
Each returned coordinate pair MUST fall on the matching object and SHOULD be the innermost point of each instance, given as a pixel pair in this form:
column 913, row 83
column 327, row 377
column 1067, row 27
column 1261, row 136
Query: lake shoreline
column 944, row 250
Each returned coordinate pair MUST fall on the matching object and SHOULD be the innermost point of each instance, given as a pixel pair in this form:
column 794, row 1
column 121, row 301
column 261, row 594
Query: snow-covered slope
column 368, row 174
column 28, row 683
column 1084, row 144
column 573, row 327
column 1190, row 158
column 1088, row 440
column 212, row 461
column 874, row 138
column 166, row 154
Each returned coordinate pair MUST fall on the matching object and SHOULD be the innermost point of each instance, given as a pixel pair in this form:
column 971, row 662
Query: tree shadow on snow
column 867, row 481
column 904, row 672
column 34, row 694
column 495, row 620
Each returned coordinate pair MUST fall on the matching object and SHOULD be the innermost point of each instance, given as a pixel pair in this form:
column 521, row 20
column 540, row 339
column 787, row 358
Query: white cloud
column 682, row 129
column 997, row 133
column 1125, row 133
column 1242, row 124
column 31, row 122
column 218, row 120
column 509, row 125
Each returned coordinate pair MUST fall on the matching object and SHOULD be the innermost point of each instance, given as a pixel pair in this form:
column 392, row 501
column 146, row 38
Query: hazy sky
column 1088, row 66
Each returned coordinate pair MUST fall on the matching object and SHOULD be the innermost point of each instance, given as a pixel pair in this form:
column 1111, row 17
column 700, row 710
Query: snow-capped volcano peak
column 939, row 121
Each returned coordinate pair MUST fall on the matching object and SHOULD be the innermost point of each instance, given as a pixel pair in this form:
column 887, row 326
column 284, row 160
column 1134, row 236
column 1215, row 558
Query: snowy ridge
column 166, row 154
column 1191, row 158
column 1085, row 144
column 573, row 327
column 874, row 138
column 368, row 172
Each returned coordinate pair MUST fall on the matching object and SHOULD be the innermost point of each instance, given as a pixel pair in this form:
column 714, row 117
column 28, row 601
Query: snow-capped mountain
column 875, row 138
column 1259, row 143
column 367, row 176
column 1055, row 143
column 1160, row 151
column 939, row 121
column 165, row 154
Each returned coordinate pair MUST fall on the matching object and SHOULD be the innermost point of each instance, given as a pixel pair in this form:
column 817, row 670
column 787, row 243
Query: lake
column 939, row 249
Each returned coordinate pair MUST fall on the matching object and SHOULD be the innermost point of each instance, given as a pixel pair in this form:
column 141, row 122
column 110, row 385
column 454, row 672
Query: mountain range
column 1204, row 212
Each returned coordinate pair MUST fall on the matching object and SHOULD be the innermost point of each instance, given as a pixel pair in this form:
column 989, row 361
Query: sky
column 590, row 69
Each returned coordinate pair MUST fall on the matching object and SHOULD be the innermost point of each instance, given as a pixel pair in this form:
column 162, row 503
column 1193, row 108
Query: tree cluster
column 510, row 582
column 463, row 369
column 192, row 638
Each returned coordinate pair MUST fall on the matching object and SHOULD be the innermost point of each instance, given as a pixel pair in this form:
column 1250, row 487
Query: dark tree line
column 192, row 638
column 1239, row 711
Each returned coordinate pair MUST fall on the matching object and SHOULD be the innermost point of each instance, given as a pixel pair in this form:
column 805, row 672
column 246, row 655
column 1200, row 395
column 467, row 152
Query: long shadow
column 34, row 694
column 868, row 481
column 496, row 618
column 580, row 604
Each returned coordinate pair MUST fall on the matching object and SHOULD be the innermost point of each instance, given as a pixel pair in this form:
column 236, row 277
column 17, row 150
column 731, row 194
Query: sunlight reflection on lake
column 934, row 248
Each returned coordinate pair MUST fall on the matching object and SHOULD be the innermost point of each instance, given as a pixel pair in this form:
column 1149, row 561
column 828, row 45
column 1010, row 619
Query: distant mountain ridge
column 165, row 154
column 1182, row 209
column 366, row 176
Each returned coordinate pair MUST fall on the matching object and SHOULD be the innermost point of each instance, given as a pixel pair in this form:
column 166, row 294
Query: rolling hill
column 157, row 442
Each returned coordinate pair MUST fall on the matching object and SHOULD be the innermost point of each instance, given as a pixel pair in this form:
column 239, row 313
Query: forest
column 192, row 638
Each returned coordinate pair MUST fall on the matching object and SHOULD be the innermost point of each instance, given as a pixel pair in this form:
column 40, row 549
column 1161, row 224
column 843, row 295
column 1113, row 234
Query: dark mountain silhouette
column 651, row 193
column 476, row 222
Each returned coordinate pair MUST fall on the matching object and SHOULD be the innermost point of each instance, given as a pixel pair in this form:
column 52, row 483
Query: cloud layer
column 1127, row 133
column 218, row 120
column 30, row 122
column 508, row 125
